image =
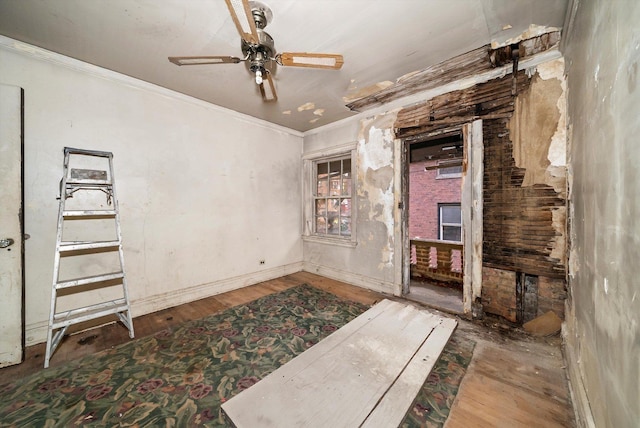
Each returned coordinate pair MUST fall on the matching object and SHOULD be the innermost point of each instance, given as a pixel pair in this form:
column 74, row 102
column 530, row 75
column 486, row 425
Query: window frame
column 449, row 163
column 441, row 224
column 310, row 162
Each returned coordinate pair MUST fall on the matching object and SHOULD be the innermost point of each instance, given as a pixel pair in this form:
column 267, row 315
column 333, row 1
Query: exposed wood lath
column 489, row 100
column 459, row 67
column 518, row 230
column 517, row 221
column 462, row 66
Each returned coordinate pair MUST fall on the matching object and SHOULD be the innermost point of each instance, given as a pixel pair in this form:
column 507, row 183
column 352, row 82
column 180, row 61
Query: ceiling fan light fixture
column 260, row 56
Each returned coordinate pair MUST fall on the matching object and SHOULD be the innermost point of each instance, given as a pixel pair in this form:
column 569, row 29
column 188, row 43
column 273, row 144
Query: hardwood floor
column 513, row 380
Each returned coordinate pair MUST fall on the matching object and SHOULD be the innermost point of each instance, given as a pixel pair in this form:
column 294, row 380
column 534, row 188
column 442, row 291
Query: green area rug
column 180, row 377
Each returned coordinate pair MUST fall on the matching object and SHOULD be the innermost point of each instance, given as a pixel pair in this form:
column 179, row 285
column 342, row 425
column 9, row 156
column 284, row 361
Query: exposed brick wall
column 425, row 193
column 499, row 292
column 440, row 261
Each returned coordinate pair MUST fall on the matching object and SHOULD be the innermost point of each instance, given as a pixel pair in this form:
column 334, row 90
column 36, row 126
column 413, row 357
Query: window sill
column 341, row 242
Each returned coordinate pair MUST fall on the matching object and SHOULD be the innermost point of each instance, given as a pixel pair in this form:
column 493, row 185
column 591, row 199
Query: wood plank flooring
column 513, row 380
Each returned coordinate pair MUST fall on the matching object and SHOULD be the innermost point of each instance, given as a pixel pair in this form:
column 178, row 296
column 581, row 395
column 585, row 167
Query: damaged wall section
column 373, row 260
column 524, row 181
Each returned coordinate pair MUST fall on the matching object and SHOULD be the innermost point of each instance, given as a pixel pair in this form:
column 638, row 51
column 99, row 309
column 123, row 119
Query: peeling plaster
column 307, row 106
column 538, row 129
column 286, row 112
column 318, row 112
column 531, row 32
column 375, row 175
column 558, row 148
column 355, row 93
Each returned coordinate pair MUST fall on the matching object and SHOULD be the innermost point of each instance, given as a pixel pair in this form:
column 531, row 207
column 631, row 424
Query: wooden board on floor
column 380, row 359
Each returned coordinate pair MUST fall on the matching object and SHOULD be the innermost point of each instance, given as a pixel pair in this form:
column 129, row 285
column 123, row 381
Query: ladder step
column 74, row 246
column 74, row 316
column 92, row 183
column 74, row 151
column 89, row 280
column 89, row 213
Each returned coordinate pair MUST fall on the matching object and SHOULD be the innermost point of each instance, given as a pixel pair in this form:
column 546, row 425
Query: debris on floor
column 544, row 325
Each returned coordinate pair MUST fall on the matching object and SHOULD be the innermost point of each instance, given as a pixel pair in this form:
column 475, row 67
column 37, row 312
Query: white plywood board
column 392, row 408
column 339, row 381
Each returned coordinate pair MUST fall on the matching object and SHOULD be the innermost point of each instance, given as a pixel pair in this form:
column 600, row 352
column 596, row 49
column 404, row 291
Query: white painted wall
column 375, row 262
column 602, row 330
column 205, row 193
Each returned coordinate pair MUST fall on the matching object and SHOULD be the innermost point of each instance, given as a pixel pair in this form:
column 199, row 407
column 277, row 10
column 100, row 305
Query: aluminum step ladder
column 95, row 233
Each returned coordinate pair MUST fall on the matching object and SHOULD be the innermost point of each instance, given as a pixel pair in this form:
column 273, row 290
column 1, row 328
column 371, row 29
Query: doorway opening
column 434, row 220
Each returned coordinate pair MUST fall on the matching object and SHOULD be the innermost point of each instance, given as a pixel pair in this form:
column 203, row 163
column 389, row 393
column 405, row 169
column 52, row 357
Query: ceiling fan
column 260, row 56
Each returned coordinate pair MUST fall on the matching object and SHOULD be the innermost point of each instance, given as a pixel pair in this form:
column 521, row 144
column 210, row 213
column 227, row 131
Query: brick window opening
column 449, row 169
column 450, row 222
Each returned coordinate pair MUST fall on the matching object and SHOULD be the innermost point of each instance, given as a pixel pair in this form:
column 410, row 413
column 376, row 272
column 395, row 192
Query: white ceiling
column 381, row 40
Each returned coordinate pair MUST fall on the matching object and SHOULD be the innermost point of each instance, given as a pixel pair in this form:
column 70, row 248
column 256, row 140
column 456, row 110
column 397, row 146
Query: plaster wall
column 375, row 261
column 602, row 331
column 205, row 193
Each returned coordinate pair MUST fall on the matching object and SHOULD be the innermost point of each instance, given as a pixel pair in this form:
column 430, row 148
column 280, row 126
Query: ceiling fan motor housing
column 260, row 55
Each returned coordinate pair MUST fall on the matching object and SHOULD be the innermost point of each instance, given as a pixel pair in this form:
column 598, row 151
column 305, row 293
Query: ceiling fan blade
column 268, row 91
column 243, row 18
column 313, row 60
column 199, row 60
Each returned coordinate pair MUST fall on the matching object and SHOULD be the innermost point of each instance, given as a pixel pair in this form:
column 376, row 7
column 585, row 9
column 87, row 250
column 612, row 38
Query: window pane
column 333, row 206
column 345, row 208
column 346, row 177
column 450, row 214
column 333, row 226
column 346, row 168
column 345, row 226
column 334, row 177
column 450, row 170
column 346, row 186
column 455, row 170
column 321, row 225
column 322, row 174
column 321, row 207
column 452, row 233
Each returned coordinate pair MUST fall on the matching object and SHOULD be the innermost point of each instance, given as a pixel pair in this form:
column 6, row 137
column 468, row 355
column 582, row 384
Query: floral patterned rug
column 180, row 377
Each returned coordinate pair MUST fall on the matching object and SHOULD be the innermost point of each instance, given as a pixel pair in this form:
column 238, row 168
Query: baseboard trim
column 37, row 332
column 354, row 279
column 579, row 398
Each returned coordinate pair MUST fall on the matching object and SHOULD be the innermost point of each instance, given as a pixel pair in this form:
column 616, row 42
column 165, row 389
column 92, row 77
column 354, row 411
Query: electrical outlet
column 261, row 262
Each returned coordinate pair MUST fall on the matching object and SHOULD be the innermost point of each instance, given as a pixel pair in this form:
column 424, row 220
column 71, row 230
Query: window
column 449, row 168
column 332, row 197
column 450, row 222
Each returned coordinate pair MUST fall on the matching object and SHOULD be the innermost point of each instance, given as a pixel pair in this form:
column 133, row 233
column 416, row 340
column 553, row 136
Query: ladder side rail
column 56, row 263
column 116, row 208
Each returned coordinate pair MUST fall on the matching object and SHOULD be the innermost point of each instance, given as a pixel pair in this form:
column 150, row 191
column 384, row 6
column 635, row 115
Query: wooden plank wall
column 471, row 63
column 518, row 231
column 517, row 221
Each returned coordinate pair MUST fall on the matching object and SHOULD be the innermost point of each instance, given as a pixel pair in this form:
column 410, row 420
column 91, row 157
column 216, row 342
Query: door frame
column 12, row 328
column 472, row 209
column 472, row 199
